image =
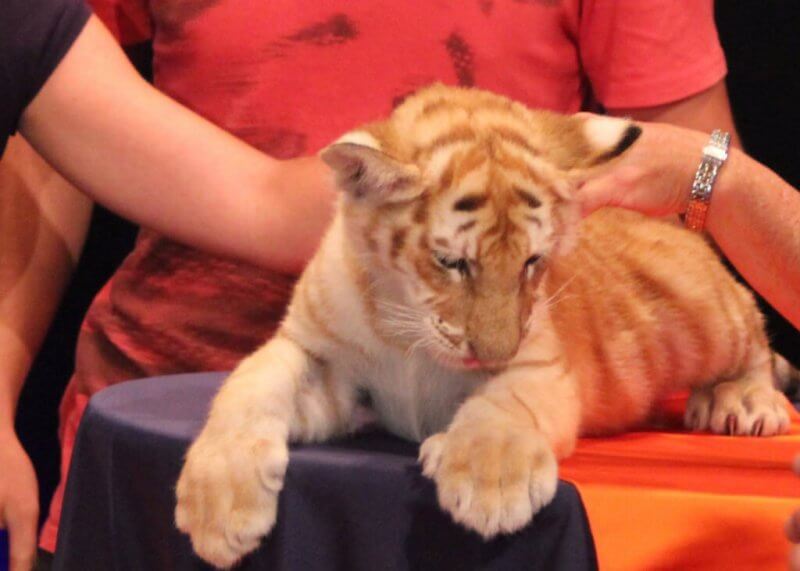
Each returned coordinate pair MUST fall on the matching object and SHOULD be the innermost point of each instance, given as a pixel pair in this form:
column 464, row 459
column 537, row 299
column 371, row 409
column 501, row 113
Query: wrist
column 675, row 153
column 8, row 434
column 692, row 143
column 724, row 191
column 713, row 158
column 7, row 412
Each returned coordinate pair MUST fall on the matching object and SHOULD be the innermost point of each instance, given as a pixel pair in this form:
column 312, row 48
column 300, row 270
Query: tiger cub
column 457, row 287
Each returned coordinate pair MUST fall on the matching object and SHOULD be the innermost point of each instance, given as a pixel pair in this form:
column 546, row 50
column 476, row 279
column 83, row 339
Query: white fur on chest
column 413, row 396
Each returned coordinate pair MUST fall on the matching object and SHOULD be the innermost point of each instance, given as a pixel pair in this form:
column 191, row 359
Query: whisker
column 550, row 301
column 418, row 344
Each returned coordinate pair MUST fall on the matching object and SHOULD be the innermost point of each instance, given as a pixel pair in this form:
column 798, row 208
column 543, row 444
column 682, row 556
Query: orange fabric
column 676, row 500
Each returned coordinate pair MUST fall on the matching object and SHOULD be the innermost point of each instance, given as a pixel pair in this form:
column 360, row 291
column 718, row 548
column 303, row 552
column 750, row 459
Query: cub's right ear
column 366, row 172
column 609, row 137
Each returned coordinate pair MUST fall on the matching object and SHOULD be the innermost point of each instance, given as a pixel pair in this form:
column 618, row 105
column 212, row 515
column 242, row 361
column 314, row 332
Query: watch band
column 715, row 153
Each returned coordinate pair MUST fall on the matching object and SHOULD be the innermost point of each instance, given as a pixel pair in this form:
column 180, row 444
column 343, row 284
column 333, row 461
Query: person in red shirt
column 290, row 77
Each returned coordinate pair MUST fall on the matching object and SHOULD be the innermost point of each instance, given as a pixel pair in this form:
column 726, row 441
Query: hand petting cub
column 458, row 288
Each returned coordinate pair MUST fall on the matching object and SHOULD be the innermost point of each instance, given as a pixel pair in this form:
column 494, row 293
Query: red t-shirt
column 290, row 76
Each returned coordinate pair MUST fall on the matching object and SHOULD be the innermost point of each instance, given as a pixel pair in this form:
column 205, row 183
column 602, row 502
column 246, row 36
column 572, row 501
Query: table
column 354, row 504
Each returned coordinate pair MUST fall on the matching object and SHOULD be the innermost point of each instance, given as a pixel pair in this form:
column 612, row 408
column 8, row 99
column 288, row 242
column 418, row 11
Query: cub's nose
column 495, row 350
column 473, row 360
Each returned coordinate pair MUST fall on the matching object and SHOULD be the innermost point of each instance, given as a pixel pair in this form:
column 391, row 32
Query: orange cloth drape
column 675, row 500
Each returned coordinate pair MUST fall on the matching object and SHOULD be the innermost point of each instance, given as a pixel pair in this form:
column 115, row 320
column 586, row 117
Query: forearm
column 151, row 160
column 16, row 358
column 43, row 223
column 754, row 216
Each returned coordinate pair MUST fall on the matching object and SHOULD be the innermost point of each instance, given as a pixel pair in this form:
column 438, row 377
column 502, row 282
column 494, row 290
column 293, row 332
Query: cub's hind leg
column 227, row 494
column 747, row 404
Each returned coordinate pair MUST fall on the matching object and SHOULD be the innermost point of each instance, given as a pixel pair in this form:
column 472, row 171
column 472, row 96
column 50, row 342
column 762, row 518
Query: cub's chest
column 414, row 396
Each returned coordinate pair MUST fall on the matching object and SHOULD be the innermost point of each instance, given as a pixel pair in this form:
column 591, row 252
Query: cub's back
column 641, row 304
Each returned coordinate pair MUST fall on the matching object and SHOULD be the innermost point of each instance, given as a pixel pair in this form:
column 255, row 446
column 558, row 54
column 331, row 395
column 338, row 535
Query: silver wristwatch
column 715, row 153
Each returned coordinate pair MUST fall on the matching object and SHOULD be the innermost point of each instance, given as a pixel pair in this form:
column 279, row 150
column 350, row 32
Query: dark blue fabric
column 34, row 36
column 351, row 505
column 3, row 550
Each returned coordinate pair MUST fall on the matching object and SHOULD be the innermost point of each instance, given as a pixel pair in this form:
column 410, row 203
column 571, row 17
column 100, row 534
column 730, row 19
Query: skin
column 43, row 223
column 191, row 182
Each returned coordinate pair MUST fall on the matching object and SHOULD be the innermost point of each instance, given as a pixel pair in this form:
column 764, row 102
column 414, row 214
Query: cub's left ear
column 606, row 138
column 580, row 145
column 365, row 171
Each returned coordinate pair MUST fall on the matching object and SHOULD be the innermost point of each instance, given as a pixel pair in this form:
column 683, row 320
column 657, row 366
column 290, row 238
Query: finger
column 22, row 540
column 613, row 188
column 594, row 194
column 794, row 558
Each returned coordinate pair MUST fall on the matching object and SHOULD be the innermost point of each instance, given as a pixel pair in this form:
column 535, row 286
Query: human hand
column 19, row 502
column 654, row 177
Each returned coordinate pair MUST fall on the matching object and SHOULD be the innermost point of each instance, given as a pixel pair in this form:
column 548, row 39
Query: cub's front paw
column 228, row 494
column 735, row 408
column 491, row 481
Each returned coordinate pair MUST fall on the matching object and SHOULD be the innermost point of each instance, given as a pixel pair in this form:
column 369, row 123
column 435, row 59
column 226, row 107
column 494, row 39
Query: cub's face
column 459, row 211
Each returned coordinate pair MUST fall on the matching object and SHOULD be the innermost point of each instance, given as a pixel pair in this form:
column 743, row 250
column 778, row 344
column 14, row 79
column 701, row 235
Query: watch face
column 715, row 154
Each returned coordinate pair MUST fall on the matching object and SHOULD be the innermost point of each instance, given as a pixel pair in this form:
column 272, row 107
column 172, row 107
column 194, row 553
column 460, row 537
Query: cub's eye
column 530, row 264
column 461, row 265
column 532, row 260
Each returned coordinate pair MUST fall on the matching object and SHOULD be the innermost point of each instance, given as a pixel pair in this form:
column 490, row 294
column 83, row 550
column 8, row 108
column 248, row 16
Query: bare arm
column 755, row 218
column 754, row 215
column 149, row 159
column 43, row 223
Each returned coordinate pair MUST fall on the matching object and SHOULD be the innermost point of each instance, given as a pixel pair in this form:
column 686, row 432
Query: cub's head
column 454, row 206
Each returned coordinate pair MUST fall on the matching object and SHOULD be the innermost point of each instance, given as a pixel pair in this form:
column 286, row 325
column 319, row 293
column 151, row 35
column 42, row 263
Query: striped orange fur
column 458, row 288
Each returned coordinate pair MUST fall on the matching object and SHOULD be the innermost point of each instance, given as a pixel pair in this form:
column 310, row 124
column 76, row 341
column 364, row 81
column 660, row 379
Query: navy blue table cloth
column 354, row 504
